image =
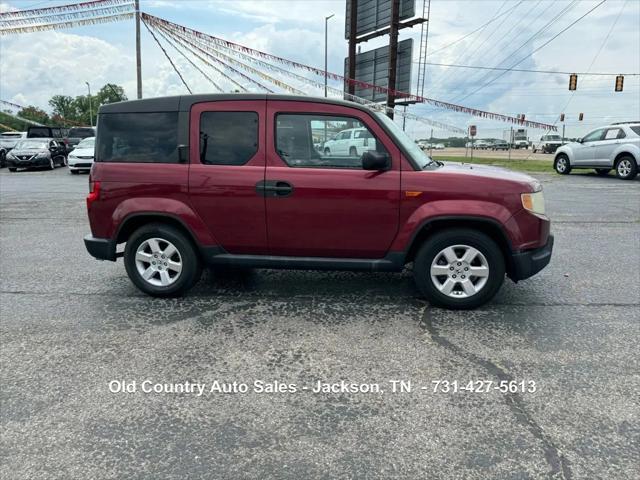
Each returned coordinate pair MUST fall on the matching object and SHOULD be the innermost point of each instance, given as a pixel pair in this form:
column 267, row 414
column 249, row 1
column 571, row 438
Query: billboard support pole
column 393, row 54
column 353, row 27
column 138, row 62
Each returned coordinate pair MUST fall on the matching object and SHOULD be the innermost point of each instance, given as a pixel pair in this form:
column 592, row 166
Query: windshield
column 415, row 152
column 31, row 144
column 87, row 143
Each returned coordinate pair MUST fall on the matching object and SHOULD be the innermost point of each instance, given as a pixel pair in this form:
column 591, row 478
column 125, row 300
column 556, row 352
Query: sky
column 35, row 66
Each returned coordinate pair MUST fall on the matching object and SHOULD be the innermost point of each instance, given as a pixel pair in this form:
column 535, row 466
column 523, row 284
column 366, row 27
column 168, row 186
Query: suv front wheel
column 562, row 164
column 161, row 261
column 459, row 269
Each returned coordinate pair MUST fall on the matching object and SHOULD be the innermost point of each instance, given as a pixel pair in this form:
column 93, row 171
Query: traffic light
column 573, row 81
column 562, row 117
column 619, row 83
column 581, row 116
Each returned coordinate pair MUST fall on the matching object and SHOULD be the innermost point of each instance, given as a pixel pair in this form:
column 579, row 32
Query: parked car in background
column 37, row 152
column 616, row 146
column 547, row 144
column 81, row 158
column 463, row 227
column 8, row 140
column 352, row 142
column 481, row 145
column 438, row 146
column 499, row 145
column 76, row 134
column 56, row 133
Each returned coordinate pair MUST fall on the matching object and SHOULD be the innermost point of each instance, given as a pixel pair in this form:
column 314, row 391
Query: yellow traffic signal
column 562, row 117
column 581, row 117
column 573, row 81
column 619, row 83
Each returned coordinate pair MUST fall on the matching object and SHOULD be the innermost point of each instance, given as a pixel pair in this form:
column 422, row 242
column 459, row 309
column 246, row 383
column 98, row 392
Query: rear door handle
column 274, row 188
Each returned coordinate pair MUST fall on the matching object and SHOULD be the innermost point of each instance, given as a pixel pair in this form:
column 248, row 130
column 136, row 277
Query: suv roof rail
column 625, row 123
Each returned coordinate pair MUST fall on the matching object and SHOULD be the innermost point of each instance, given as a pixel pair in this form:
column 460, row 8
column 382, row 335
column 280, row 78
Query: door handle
column 274, row 188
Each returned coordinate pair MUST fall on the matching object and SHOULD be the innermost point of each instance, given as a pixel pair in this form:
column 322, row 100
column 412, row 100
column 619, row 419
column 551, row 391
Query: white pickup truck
column 547, row 144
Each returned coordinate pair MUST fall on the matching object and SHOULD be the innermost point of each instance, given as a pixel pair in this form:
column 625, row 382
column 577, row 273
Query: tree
column 34, row 113
column 64, row 108
column 110, row 93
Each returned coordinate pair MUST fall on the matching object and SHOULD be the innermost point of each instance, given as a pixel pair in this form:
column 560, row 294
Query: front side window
column 138, row 137
column 323, row 141
column 228, row 138
column 613, row 133
column 594, row 136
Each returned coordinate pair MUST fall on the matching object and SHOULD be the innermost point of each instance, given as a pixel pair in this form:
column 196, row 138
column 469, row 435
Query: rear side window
column 138, row 137
column 39, row 132
column 636, row 129
column 81, row 132
column 228, row 138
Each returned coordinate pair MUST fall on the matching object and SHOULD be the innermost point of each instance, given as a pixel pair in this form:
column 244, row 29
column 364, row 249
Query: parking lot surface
column 70, row 325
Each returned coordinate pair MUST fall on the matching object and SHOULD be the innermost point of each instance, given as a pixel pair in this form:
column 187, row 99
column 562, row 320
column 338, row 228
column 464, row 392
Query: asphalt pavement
column 79, row 345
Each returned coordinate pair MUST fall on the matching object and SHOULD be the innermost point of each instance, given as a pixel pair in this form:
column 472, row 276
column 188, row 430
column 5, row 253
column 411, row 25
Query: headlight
column 533, row 202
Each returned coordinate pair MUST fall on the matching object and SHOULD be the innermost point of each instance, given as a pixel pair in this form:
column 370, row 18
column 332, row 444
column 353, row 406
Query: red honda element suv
column 273, row 181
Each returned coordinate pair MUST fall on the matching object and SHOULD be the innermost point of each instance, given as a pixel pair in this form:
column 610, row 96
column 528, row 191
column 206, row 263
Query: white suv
column 615, row 146
column 353, row 142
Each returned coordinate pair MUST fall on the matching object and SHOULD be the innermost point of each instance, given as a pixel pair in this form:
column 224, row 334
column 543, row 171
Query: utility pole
column 510, row 142
column 326, row 23
column 404, row 118
column 353, row 26
column 138, row 62
column 90, row 109
column 431, row 144
column 393, row 55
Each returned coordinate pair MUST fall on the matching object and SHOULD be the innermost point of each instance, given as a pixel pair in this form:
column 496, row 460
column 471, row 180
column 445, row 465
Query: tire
column 626, row 168
column 533, row 150
column 327, row 152
column 63, row 162
column 562, row 165
column 3, row 159
column 603, row 172
column 154, row 239
column 52, row 164
column 11, row 169
column 485, row 257
column 353, row 152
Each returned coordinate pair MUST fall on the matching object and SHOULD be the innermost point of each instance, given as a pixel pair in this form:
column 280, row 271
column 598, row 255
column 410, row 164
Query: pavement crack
column 557, row 461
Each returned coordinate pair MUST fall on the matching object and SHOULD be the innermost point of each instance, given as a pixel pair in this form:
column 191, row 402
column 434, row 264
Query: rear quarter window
column 138, row 137
column 39, row 132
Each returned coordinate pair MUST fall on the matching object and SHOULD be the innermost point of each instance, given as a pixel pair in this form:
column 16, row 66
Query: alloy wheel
column 561, row 165
column 624, row 167
column 158, row 262
column 459, row 271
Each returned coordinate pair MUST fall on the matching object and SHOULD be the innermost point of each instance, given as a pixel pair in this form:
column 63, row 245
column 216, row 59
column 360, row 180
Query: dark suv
column 236, row 180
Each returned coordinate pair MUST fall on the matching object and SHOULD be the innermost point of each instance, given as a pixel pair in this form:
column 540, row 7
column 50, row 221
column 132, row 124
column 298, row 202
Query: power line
column 556, row 72
column 534, row 51
column 473, row 31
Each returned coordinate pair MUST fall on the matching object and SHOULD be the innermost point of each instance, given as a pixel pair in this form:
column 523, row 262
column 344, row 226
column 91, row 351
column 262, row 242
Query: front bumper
column 100, row 248
column 34, row 162
column 527, row 264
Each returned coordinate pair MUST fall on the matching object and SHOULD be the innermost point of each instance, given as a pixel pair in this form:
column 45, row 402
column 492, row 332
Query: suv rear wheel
column 459, row 269
column 562, row 165
column 626, row 168
column 161, row 260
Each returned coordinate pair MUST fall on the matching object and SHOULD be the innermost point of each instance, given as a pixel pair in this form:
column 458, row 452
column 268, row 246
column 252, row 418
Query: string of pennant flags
column 9, row 25
column 334, row 76
column 82, row 7
column 230, row 56
column 338, row 92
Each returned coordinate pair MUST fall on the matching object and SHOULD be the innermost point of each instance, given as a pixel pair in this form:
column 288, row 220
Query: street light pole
column 90, row 109
column 326, row 23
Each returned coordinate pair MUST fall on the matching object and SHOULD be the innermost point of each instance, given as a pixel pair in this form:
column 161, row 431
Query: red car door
column 227, row 161
column 321, row 205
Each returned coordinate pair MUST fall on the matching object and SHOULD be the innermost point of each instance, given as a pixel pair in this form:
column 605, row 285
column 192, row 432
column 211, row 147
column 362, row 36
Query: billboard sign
column 373, row 67
column 376, row 14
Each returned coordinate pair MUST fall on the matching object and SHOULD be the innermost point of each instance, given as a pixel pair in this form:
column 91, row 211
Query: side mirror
column 372, row 160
